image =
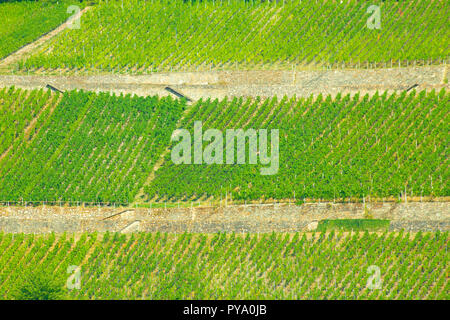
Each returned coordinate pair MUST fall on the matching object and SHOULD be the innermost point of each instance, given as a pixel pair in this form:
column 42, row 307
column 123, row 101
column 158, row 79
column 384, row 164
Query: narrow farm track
column 219, row 84
column 27, row 49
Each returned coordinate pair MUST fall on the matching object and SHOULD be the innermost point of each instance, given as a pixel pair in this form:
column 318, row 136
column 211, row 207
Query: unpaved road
column 218, row 84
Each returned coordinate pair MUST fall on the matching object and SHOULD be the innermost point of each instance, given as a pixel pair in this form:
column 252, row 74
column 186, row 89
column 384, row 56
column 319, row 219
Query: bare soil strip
column 219, row 84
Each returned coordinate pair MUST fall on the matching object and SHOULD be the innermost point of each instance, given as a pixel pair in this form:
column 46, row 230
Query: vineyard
column 137, row 37
column 25, row 21
column 224, row 149
column 341, row 148
column 83, row 146
column 219, row 266
column 88, row 147
column 17, row 110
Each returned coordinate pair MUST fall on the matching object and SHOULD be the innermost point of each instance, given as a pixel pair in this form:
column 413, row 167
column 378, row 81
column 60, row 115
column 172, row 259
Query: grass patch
column 353, row 224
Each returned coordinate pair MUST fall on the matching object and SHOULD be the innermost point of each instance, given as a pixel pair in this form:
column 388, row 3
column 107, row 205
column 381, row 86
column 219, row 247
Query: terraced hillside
column 200, row 266
column 141, row 37
column 83, row 146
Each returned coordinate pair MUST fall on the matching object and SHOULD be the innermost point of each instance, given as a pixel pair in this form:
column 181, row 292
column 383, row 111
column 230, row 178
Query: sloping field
column 94, row 147
column 25, row 21
column 82, row 146
column 142, row 37
column 357, row 146
column 19, row 110
column 200, row 266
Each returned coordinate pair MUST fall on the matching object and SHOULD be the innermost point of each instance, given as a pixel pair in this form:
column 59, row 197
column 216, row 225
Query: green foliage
column 38, row 286
column 91, row 147
column 330, row 148
column 142, row 36
column 353, row 225
column 17, row 109
column 227, row 266
column 25, row 21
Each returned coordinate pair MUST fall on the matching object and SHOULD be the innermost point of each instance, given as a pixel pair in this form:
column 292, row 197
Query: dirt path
column 218, row 84
column 27, row 49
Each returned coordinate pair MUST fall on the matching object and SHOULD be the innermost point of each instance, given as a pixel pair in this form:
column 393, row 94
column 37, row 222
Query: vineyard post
column 293, row 74
column 406, row 200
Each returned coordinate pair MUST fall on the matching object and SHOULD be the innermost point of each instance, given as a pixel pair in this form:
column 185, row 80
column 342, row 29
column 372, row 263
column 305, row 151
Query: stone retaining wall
column 415, row 216
column 219, row 84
